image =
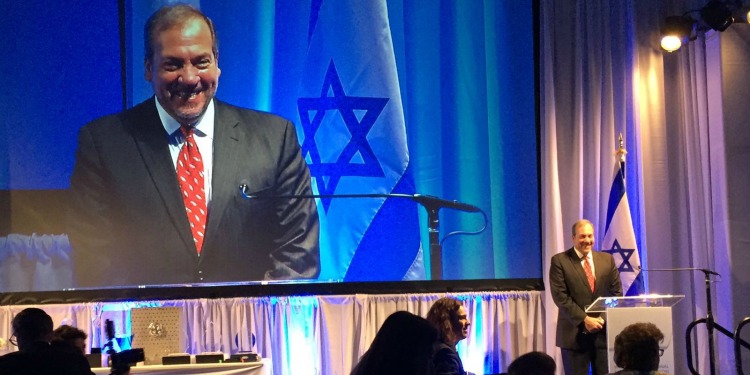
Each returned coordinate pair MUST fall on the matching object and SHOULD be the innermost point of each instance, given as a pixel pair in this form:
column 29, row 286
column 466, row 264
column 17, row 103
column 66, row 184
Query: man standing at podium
column 577, row 277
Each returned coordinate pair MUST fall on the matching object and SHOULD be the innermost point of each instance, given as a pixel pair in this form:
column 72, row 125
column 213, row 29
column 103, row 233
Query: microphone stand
column 711, row 324
column 436, row 249
column 430, row 203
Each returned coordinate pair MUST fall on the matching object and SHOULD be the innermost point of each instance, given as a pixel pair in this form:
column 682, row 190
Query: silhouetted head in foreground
column 403, row 345
column 31, row 325
column 533, row 363
column 637, row 347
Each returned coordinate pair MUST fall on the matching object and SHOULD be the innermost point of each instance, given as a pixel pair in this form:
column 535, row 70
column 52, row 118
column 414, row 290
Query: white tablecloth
column 255, row 368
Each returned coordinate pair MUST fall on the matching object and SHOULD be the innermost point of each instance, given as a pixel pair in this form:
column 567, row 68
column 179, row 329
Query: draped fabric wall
column 317, row 335
column 36, row 262
column 586, row 101
column 470, row 121
column 602, row 74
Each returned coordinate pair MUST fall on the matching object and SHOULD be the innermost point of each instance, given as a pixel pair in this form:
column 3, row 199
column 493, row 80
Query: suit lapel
column 600, row 268
column 225, row 180
column 153, row 144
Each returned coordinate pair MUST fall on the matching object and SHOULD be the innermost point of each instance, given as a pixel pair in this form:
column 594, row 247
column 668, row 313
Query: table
column 251, row 368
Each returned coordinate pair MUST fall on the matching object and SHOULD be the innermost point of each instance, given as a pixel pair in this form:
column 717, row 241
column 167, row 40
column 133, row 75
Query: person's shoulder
column 69, row 359
column 445, row 360
column 562, row 254
column 145, row 109
column 16, row 363
column 65, row 348
column 247, row 116
column 440, row 346
column 442, row 350
column 10, row 358
column 10, row 355
column 603, row 255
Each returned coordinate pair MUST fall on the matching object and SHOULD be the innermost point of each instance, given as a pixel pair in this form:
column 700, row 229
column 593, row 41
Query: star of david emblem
column 625, row 254
column 357, row 158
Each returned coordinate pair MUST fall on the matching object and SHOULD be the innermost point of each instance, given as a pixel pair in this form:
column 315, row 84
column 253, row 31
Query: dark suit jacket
column 446, row 361
column 571, row 293
column 43, row 359
column 127, row 221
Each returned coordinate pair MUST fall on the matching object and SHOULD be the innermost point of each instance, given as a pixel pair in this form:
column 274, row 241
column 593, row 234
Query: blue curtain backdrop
column 61, row 70
column 466, row 73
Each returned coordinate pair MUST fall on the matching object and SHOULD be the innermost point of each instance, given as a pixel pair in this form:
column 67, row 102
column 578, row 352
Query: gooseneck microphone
column 428, row 201
column 431, row 203
column 704, row 270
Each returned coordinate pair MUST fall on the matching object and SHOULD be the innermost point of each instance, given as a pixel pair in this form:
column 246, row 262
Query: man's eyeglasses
column 12, row 340
column 661, row 352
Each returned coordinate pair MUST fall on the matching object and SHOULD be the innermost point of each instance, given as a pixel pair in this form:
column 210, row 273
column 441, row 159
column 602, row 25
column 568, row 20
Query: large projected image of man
column 154, row 191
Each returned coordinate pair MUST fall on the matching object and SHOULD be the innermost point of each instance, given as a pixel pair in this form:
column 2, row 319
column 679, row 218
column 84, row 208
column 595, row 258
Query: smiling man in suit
column 155, row 189
column 577, row 277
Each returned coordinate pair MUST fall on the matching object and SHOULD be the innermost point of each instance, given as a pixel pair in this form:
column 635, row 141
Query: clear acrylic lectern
column 624, row 311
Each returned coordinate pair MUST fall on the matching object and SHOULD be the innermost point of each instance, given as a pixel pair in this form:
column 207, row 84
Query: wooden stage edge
column 233, row 290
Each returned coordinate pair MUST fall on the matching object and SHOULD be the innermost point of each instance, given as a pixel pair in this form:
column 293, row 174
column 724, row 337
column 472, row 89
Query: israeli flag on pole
column 619, row 236
column 353, row 138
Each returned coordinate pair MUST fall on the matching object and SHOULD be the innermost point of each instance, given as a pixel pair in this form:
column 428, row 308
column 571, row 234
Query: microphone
column 428, row 201
column 244, row 188
column 431, row 203
column 109, row 332
column 109, row 329
column 704, row 270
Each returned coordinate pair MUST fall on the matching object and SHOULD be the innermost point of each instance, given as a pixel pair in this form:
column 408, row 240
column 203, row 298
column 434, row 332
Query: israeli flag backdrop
column 619, row 236
column 353, row 138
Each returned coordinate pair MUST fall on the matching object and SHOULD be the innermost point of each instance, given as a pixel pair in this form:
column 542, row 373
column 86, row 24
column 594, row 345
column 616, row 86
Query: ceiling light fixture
column 718, row 15
column 676, row 32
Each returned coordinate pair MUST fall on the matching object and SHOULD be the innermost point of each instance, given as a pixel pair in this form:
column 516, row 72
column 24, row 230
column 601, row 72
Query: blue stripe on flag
column 615, row 195
column 637, row 287
column 387, row 248
column 313, row 22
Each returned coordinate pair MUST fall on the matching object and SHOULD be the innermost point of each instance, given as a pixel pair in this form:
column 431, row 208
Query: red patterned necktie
column 589, row 273
column 190, row 177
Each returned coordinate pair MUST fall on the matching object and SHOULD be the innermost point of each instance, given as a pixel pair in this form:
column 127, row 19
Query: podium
column 624, row 311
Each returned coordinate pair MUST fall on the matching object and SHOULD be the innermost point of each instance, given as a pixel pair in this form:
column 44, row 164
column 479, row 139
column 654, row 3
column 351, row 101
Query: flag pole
column 620, row 154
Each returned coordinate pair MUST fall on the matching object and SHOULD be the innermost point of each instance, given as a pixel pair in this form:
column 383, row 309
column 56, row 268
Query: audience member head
column 403, row 345
column 31, row 325
column 533, row 363
column 448, row 315
column 637, row 347
column 70, row 336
